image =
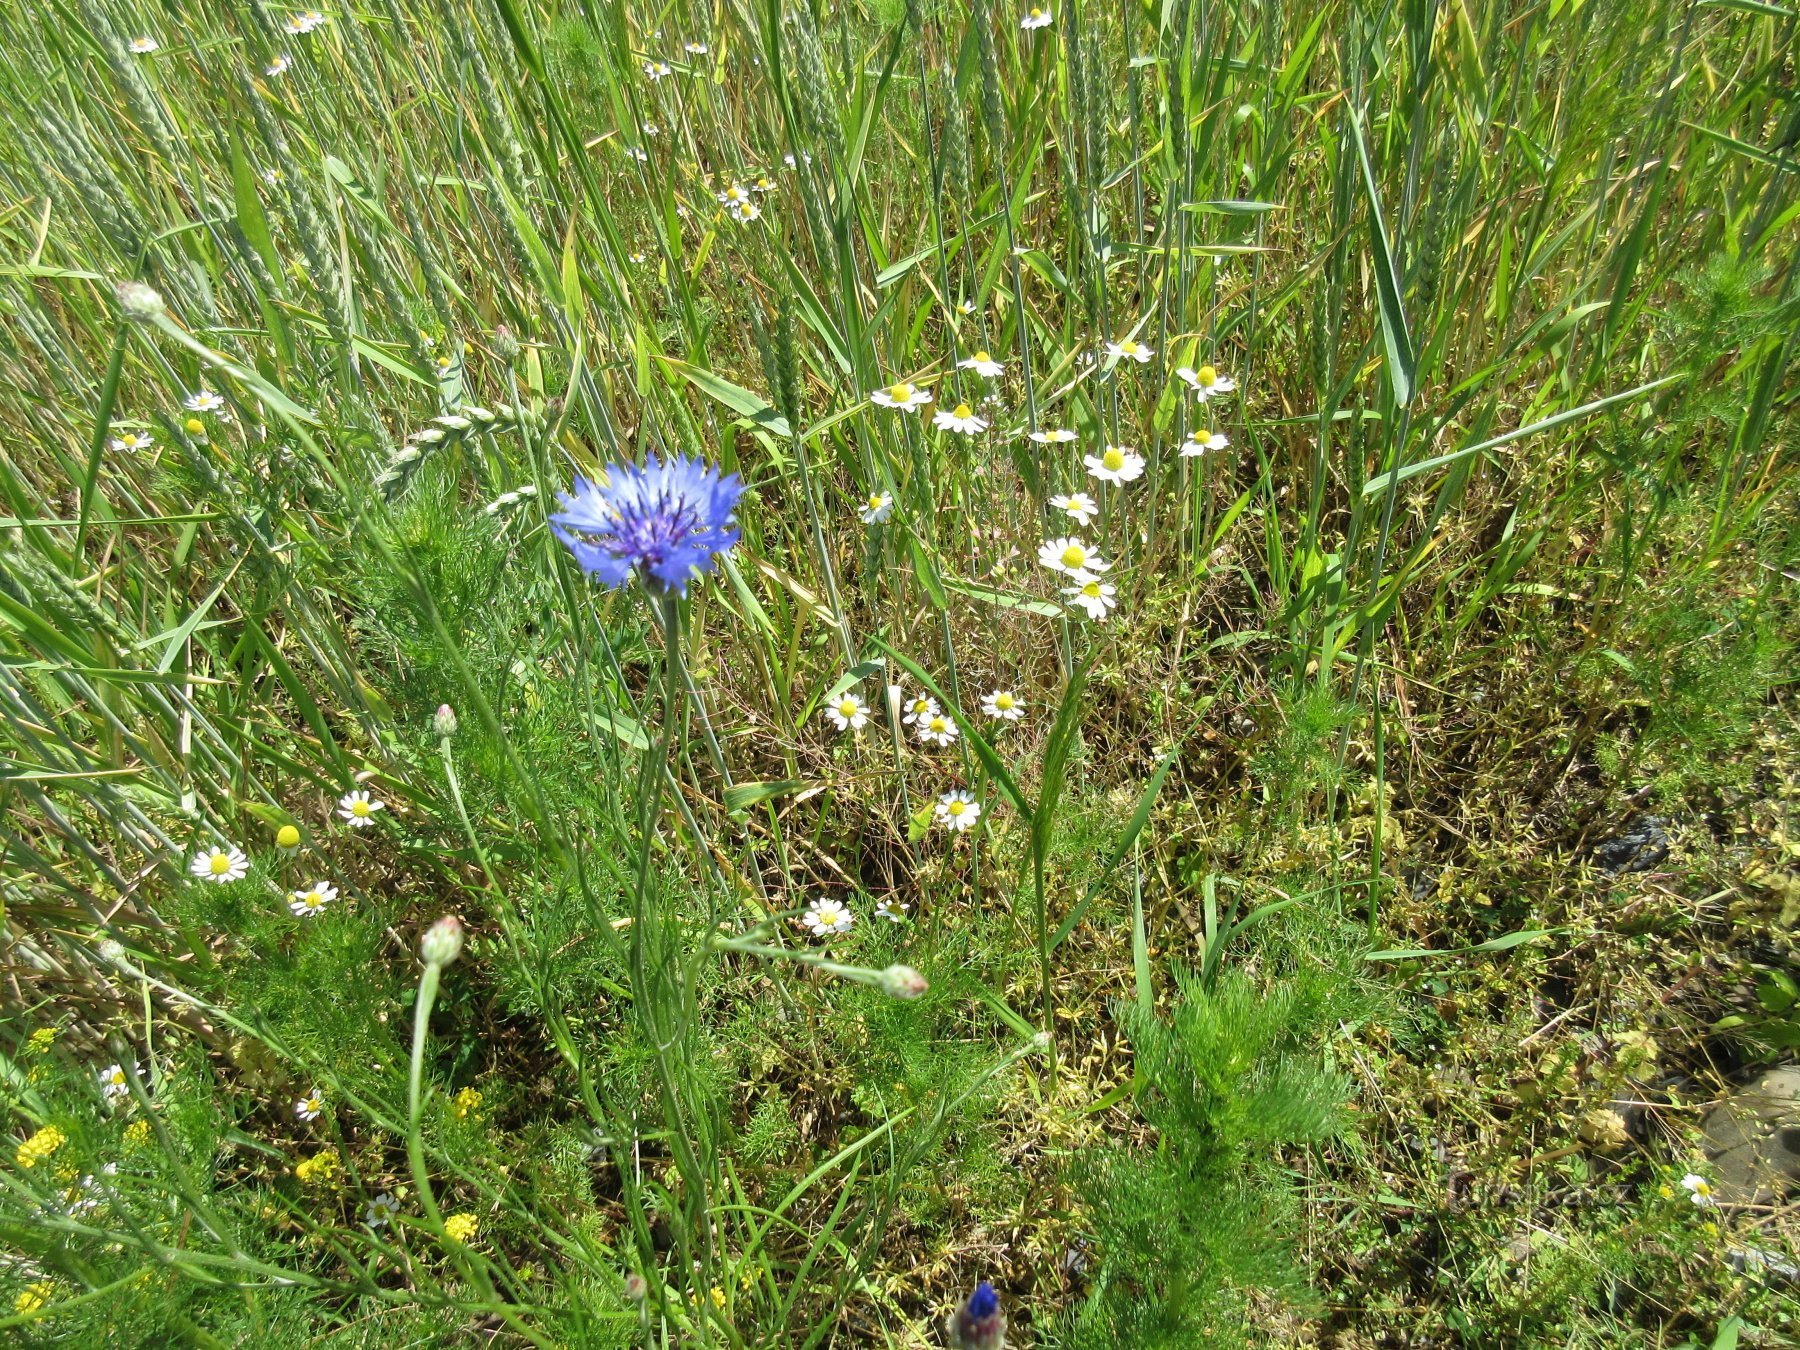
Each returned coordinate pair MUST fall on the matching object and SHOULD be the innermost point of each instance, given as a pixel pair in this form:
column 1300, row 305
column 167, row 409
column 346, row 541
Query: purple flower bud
column 979, row 1324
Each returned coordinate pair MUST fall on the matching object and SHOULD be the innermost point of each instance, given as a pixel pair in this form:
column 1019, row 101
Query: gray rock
column 1753, row 1139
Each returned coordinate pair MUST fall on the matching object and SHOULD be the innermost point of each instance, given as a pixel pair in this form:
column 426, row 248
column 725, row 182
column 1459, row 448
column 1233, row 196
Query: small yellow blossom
column 465, row 1102
column 41, row 1040
column 137, row 1134
column 40, row 1146
column 34, row 1296
column 461, row 1227
column 321, row 1167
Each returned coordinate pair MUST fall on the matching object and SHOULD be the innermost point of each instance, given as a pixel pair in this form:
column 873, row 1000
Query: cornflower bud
column 443, row 721
column 978, row 1324
column 442, row 942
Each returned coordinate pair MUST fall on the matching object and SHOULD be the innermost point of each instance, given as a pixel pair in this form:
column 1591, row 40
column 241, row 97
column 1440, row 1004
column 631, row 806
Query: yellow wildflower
column 40, row 1146
column 461, row 1227
column 41, row 1040
column 465, row 1102
column 321, row 1167
column 33, row 1296
column 137, row 1134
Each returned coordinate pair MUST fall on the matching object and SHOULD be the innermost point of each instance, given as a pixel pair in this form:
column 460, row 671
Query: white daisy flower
column 651, row 129
column 762, row 184
column 203, row 400
column 1004, row 704
column 279, row 66
column 220, row 864
column 1077, row 506
column 960, row 419
column 824, row 917
column 132, row 441
column 1699, row 1190
column 848, row 713
column 982, row 364
column 894, row 911
column 636, row 259
column 1072, row 556
column 734, row 194
column 380, row 1210
column 920, row 709
column 359, row 808
column 744, row 212
column 876, row 508
column 143, row 46
column 1054, row 436
column 656, row 70
column 1092, row 595
column 115, row 1081
column 958, row 810
column 694, row 48
column 938, row 729
column 311, row 902
column 301, row 24
column 1199, row 441
column 1035, row 18
column 1115, row 464
column 965, row 307
column 1129, row 350
column 309, row 1106
column 637, row 152
column 1206, row 382
column 902, row 396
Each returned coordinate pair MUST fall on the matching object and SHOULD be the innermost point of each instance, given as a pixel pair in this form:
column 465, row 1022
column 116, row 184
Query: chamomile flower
column 1035, row 18
column 380, row 1211
column 694, row 48
column 637, row 152
column 825, row 916
column 1699, row 1190
column 938, row 729
column 311, row 902
column 762, row 184
column 1077, row 506
column 1054, row 436
column 1092, row 595
column 143, row 46
column 656, row 70
column 1130, row 350
column 1072, row 556
column 1115, row 464
column 734, row 194
column 876, row 508
column 301, row 24
column 203, row 401
column 115, row 1081
column 279, row 66
column 1200, row 440
column 920, row 709
column 309, row 1106
column 894, row 911
column 1206, row 382
column 287, row 839
column 220, row 864
column 982, row 364
column 1003, row 704
column 960, row 419
column 958, row 810
column 902, row 397
column 744, row 212
column 358, row 808
column 848, row 713
column 132, row 441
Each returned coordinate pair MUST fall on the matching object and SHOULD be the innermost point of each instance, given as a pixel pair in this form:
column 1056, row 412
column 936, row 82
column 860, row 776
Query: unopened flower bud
column 442, row 942
column 112, row 952
column 637, row 1288
column 978, row 1324
column 506, row 346
column 443, row 721
column 139, row 301
column 903, row 982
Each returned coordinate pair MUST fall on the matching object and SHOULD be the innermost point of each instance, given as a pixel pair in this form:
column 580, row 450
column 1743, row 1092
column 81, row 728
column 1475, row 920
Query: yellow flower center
column 962, row 410
column 220, row 864
column 982, row 357
column 1128, row 347
column 312, row 899
column 359, row 810
column 957, row 808
column 1114, row 458
column 1037, row 13
column 1207, row 375
column 287, row 837
column 1074, row 556
column 900, row 393
column 847, row 708
column 938, row 724
column 1091, row 590
column 1003, row 702
column 194, row 426
column 874, row 501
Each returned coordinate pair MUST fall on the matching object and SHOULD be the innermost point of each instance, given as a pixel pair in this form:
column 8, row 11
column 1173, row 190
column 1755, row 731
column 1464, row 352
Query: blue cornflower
column 979, row 1324
column 667, row 521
